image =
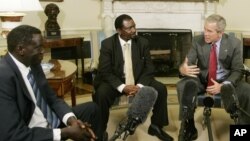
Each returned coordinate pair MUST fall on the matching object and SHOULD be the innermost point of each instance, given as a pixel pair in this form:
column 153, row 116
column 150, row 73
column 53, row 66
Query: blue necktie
column 42, row 104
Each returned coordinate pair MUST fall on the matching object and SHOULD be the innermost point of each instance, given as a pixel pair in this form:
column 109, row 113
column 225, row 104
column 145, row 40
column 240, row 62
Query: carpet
column 220, row 120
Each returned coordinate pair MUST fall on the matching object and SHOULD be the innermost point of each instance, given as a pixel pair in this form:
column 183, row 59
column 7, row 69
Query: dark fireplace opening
column 168, row 48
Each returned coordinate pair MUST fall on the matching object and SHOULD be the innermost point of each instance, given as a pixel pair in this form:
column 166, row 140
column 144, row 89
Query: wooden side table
column 63, row 81
column 75, row 44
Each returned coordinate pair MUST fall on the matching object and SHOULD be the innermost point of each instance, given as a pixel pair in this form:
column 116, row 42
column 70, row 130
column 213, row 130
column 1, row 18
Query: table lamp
column 11, row 13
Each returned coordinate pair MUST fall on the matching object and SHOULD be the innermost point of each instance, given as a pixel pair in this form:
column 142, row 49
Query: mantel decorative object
column 52, row 28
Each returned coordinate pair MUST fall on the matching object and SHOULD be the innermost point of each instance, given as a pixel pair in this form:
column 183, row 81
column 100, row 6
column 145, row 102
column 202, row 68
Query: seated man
column 30, row 109
column 213, row 65
column 124, row 67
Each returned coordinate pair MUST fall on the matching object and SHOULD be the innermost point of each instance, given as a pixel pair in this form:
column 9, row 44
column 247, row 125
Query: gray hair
column 219, row 20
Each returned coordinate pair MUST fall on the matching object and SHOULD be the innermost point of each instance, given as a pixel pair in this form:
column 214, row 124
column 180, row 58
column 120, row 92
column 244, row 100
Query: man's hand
column 77, row 130
column 214, row 89
column 131, row 90
column 187, row 70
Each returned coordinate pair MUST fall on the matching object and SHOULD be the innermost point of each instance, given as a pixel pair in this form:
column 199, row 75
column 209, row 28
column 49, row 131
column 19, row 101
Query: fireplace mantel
column 174, row 14
column 170, row 0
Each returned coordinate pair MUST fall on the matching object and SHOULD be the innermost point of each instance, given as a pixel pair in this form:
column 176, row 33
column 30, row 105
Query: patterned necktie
column 212, row 64
column 129, row 77
column 42, row 104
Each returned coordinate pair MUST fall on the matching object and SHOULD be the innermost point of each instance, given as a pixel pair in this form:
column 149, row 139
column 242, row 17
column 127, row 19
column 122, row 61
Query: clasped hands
column 131, row 90
column 193, row 71
column 78, row 131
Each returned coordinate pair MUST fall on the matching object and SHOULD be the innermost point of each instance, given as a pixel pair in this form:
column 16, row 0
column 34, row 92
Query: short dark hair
column 119, row 20
column 22, row 34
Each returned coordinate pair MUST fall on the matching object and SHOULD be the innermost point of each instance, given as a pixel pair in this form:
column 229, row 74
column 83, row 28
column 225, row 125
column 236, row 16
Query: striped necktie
column 42, row 104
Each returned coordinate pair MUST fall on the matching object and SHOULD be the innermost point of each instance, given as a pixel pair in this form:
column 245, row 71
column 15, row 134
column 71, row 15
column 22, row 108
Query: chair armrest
column 246, row 72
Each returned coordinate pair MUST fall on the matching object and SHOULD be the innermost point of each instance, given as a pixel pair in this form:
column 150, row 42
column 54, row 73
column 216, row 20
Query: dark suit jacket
column 17, row 107
column 230, row 57
column 111, row 63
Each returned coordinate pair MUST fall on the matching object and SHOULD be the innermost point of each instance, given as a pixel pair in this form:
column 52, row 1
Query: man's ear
column 20, row 49
column 118, row 31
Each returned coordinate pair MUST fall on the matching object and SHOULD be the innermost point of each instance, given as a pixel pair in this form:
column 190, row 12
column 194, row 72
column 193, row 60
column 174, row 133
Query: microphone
column 231, row 102
column 188, row 103
column 189, row 99
column 137, row 113
column 208, row 102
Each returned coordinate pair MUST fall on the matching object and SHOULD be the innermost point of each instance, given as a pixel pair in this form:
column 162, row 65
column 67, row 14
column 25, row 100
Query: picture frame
column 51, row 0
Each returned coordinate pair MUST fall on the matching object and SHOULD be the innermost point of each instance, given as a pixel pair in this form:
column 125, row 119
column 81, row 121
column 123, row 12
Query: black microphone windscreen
column 208, row 101
column 229, row 98
column 142, row 103
column 189, row 94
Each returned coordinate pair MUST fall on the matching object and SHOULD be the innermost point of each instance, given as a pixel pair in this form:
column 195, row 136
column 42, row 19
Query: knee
column 162, row 91
column 92, row 108
column 100, row 95
column 181, row 84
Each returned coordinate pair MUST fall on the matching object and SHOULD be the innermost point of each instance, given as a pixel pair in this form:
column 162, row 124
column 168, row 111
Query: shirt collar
column 218, row 42
column 20, row 66
column 124, row 42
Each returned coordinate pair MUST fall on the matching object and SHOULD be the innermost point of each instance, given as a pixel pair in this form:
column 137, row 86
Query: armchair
column 215, row 101
column 97, row 37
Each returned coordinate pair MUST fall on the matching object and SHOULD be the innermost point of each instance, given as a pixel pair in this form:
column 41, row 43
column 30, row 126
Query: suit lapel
column 118, row 54
column 19, row 76
column 135, row 51
column 223, row 48
column 206, row 52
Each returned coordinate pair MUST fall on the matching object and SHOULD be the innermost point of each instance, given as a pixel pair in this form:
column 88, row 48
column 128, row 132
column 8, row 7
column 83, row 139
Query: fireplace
column 167, row 24
column 168, row 48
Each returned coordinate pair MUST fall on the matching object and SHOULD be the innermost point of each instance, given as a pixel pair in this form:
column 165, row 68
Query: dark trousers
column 242, row 91
column 90, row 112
column 105, row 96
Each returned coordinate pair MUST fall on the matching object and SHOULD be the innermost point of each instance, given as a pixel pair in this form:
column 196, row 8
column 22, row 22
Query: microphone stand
column 127, row 127
column 234, row 112
column 208, row 103
column 119, row 130
column 207, row 122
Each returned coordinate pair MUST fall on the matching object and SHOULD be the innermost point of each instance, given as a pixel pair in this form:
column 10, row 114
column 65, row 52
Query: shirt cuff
column 121, row 87
column 67, row 116
column 57, row 134
column 140, row 85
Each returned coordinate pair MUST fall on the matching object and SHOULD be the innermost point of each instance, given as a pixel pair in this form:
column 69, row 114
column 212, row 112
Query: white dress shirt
column 38, row 119
column 122, row 42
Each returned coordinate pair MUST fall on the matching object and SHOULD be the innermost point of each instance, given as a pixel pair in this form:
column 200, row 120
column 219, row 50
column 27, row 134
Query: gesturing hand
column 187, row 70
column 215, row 88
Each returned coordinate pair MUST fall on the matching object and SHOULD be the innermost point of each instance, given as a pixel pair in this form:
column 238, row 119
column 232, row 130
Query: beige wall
column 74, row 15
column 237, row 14
column 85, row 15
